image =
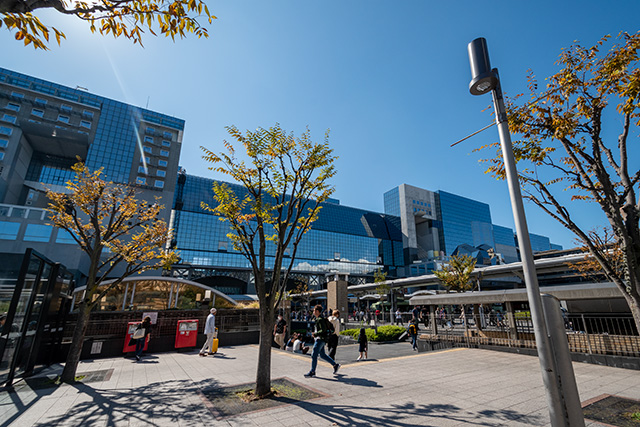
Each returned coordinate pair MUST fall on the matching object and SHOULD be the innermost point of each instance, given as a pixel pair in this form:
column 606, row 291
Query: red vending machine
column 187, row 333
column 131, row 328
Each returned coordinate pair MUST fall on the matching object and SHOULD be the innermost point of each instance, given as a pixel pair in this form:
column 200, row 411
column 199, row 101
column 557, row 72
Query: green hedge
column 385, row 333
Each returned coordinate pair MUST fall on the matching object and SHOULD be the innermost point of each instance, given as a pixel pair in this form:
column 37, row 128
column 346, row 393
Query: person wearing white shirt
column 332, row 344
column 210, row 331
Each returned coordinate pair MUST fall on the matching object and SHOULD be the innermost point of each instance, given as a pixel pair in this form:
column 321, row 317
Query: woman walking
column 362, row 340
column 140, row 342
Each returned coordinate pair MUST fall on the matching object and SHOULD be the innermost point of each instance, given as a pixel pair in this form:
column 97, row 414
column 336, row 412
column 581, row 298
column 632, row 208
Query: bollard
column 566, row 382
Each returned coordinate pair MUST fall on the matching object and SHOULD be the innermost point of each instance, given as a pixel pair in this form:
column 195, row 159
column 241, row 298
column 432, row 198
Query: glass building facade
column 464, row 221
column 343, row 239
column 116, row 134
column 457, row 222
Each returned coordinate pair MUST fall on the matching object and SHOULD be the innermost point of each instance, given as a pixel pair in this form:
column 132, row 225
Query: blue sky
column 390, row 79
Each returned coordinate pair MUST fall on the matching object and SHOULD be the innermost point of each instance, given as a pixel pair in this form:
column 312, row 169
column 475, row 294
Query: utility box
column 187, row 333
column 131, row 328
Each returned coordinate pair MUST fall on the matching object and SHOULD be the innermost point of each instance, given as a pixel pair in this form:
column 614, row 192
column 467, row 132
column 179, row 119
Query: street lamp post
column 561, row 395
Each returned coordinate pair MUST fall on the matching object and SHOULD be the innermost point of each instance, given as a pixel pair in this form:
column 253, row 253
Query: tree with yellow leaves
column 286, row 181
column 121, row 236
column 573, row 137
column 456, row 275
column 128, row 18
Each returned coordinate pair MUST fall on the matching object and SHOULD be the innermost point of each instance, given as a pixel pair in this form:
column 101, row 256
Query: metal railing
column 597, row 333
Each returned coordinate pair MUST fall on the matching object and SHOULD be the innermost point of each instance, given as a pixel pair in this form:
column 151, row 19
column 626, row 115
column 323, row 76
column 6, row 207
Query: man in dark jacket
column 321, row 334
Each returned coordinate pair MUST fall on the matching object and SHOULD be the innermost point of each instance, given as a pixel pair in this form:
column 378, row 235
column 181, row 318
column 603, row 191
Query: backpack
column 328, row 329
column 412, row 329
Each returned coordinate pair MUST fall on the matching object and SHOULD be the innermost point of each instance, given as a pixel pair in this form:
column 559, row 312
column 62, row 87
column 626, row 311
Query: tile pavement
column 460, row 387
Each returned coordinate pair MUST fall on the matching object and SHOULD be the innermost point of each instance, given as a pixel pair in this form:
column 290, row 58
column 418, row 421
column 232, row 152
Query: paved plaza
column 458, row 387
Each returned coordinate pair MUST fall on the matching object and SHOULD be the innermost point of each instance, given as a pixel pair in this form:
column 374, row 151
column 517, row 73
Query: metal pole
column 545, row 355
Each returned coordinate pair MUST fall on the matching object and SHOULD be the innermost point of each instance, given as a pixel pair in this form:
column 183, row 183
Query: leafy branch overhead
column 127, row 18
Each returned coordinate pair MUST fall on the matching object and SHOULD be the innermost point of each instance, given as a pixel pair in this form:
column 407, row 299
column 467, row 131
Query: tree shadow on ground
column 156, row 403
column 17, row 399
column 404, row 415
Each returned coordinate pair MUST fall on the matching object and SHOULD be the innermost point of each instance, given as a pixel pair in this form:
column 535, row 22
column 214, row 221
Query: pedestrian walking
column 280, row 331
column 363, row 344
column 140, row 342
column 415, row 312
column 332, row 344
column 321, row 335
column 424, row 313
column 399, row 318
column 412, row 330
column 210, row 332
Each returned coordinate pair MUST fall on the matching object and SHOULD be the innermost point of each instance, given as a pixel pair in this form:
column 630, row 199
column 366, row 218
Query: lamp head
column 483, row 78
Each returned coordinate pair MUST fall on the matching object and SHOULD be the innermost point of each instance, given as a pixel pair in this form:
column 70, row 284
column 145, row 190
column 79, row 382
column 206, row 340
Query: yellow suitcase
column 214, row 346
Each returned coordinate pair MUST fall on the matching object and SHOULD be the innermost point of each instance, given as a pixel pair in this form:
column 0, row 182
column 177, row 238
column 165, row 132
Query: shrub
column 385, row 333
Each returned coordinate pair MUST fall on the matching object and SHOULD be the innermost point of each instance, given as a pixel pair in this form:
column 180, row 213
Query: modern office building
column 45, row 127
column 439, row 224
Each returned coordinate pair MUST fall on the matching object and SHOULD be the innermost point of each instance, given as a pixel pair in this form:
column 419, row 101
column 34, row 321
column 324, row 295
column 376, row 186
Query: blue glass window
column 13, row 107
column 63, row 119
column 37, row 233
column 5, row 130
column 64, row 237
column 9, row 118
column 4, row 143
column 9, row 230
column 37, row 112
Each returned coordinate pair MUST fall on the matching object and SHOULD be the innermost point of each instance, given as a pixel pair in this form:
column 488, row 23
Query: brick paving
column 459, row 387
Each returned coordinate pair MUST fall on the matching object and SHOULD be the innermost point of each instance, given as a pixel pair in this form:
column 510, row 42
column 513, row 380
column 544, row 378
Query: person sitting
column 292, row 339
column 298, row 345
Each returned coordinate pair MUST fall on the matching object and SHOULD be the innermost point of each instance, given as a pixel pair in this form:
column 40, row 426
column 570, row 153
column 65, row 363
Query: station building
column 45, row 127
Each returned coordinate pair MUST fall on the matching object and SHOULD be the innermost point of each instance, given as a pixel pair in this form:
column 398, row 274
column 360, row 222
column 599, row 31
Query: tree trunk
column 263, row 376
column 71, row 365
column 634, row 307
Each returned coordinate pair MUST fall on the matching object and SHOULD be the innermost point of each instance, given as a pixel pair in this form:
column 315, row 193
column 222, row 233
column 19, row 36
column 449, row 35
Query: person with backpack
column 323, row 330
column 412, row 330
